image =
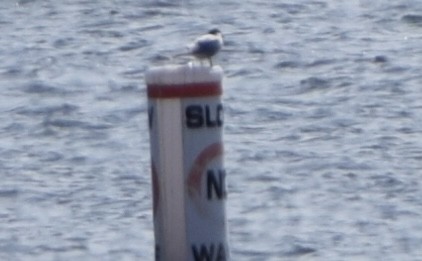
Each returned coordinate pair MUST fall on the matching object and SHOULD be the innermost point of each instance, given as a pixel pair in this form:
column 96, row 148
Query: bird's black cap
column 214, row 31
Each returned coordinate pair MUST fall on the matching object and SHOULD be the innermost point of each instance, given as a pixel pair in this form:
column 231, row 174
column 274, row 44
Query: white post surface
column 188, row 176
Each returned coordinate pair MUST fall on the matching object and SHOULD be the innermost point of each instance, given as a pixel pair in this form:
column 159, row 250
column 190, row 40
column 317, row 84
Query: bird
column 207, row 45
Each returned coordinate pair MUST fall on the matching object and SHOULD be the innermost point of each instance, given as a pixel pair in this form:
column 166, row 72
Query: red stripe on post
column 184, row 90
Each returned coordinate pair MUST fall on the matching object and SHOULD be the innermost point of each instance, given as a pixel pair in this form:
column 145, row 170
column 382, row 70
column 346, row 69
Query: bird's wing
column 206, row 42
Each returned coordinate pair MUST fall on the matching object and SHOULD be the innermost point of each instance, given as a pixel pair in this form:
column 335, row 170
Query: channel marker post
column 188, row 176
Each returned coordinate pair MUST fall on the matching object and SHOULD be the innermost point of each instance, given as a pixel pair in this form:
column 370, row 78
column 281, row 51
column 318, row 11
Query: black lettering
column 208, row 253
column 205, row 254
column 198, row 116
column 221, row 254
column 208, row 117
column 194, row 116
column 220, row 115
column 216, row 184
column 157, row 253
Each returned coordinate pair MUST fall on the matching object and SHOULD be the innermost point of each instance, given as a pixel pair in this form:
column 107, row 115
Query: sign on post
column 188, row 176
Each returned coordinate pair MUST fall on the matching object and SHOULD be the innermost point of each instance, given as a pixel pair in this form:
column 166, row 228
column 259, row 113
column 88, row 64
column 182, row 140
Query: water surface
column 323, row 126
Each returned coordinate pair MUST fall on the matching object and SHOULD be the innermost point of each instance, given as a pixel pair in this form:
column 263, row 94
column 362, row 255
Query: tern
column 207, row 45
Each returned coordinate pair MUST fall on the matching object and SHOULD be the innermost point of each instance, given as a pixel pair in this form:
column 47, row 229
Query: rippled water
column 323, row 126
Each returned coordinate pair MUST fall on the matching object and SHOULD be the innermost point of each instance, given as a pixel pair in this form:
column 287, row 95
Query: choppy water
column 323, row 130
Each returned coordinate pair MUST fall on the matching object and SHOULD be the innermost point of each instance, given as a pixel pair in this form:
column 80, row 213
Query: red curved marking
column 184, row 90
column 195, row 175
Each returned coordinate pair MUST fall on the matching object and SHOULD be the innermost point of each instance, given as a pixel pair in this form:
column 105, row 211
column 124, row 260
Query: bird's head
column 214, row 31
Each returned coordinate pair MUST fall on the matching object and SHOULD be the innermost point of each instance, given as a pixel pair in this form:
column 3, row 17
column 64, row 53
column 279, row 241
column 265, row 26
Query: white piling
column 188, row 176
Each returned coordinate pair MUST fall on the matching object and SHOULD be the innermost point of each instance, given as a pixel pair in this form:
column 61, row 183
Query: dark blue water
column 323, row 130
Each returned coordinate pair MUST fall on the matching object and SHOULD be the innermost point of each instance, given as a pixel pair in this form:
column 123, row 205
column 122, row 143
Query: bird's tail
column 182, row 54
